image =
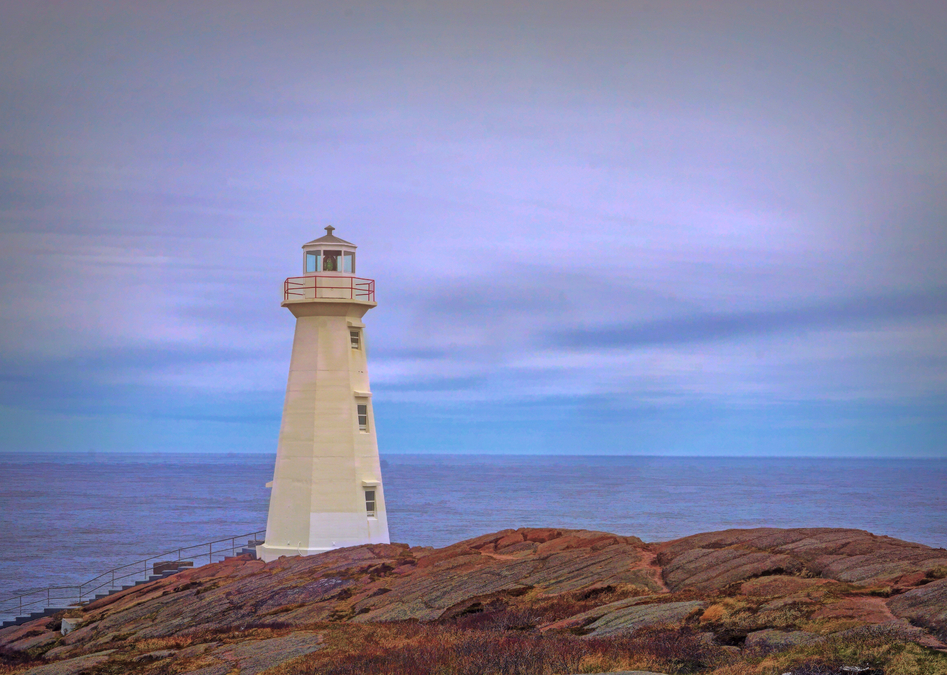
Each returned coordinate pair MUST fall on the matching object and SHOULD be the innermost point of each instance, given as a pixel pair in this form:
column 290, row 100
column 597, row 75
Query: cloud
column 710, row 327
column 664, row 208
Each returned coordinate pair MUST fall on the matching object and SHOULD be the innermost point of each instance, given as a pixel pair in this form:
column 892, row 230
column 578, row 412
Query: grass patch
column 425, row 649
column 885, row 650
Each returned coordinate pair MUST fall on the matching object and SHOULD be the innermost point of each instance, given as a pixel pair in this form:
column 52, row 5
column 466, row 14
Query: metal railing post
column 26, row 600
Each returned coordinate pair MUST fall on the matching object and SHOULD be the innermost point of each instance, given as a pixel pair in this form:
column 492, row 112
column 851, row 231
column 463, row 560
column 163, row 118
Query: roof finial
column 329, row 229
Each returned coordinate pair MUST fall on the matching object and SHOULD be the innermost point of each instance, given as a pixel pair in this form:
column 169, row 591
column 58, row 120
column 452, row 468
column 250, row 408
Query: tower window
column 349, row 262
column 356, row 339
column 313, row 258
column 370, row 502
column 362, row 417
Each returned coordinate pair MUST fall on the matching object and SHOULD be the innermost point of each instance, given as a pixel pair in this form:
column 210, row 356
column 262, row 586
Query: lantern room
column 328, row 273
column 329, row 255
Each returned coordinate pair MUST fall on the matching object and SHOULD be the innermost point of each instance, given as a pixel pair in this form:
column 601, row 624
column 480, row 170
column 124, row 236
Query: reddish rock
column 555, row 576
column 716, row 559
column 509, row 540
column 541, row 536
column 862, row 609
column 779, row 584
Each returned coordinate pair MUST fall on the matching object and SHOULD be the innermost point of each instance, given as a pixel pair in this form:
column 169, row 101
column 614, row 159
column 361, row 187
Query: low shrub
column 16, row 662
column 423, row 649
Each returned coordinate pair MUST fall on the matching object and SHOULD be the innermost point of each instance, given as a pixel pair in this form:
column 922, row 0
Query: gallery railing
column 61, row 597
column 321, row 287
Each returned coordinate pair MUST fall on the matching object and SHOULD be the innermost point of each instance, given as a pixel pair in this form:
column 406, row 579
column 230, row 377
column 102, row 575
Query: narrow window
column 363, row 417
column 312, row 261
column 356, row 339
column 349, row 262
column 370, row 502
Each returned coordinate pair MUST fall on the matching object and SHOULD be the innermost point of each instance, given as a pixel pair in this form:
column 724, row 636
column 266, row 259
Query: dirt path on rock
column 649, row 562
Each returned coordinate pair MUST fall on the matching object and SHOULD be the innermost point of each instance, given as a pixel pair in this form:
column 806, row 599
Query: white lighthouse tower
column 327, row 490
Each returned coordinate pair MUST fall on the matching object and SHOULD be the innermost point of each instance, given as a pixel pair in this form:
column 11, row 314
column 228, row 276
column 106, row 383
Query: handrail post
column 97, row 583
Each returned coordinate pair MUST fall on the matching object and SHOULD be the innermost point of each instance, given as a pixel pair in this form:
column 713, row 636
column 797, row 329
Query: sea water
column 66, row 518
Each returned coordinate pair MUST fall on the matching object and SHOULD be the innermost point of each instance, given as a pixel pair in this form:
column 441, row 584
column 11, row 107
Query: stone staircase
column 160, row 570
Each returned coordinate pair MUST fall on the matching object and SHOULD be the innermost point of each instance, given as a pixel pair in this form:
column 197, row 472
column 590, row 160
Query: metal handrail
column 358, row 288
column 14, row 605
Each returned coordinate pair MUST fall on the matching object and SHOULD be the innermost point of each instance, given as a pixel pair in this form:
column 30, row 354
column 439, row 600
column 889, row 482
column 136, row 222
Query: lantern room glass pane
column 313, row 258
column 349, row 262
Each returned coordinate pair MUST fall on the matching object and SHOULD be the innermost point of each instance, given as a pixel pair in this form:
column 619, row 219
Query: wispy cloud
column 718, row 326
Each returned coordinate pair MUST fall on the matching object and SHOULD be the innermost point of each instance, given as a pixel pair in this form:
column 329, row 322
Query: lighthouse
column 326, row 491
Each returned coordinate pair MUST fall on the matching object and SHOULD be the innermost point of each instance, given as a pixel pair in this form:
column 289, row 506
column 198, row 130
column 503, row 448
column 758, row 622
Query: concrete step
column 151, row 577
column 19, row 620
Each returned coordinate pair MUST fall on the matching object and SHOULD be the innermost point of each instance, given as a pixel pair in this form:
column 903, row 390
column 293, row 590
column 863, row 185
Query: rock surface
column 924, row 606
column 717, row 559
column 617, row 620
column 76, row 666
column 759, row 588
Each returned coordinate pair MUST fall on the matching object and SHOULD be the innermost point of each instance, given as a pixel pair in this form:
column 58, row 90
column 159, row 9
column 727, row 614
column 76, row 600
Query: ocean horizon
column 70, row 516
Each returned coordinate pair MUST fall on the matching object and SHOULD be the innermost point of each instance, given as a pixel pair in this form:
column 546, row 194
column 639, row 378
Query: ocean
column 64, row 518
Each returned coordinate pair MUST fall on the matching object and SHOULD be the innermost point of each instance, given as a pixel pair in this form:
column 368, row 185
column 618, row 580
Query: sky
column 637, row 228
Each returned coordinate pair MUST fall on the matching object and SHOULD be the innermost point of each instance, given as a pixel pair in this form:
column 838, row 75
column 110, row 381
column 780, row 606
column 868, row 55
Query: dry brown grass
column 886, row 650
column 16, row 662
column 426, row 649
column 439, row 649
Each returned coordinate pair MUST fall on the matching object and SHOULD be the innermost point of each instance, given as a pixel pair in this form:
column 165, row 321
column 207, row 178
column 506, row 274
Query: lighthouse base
column 270, row 553
column 327, row 532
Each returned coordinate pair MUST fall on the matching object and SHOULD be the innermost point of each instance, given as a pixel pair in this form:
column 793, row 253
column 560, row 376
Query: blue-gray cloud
column 716, row 326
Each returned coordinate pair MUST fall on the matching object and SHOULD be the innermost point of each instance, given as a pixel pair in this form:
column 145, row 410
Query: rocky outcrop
column 76, row 666
column 749, row 589
column 924, row 606
column 627, row 620
column 715, row 560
